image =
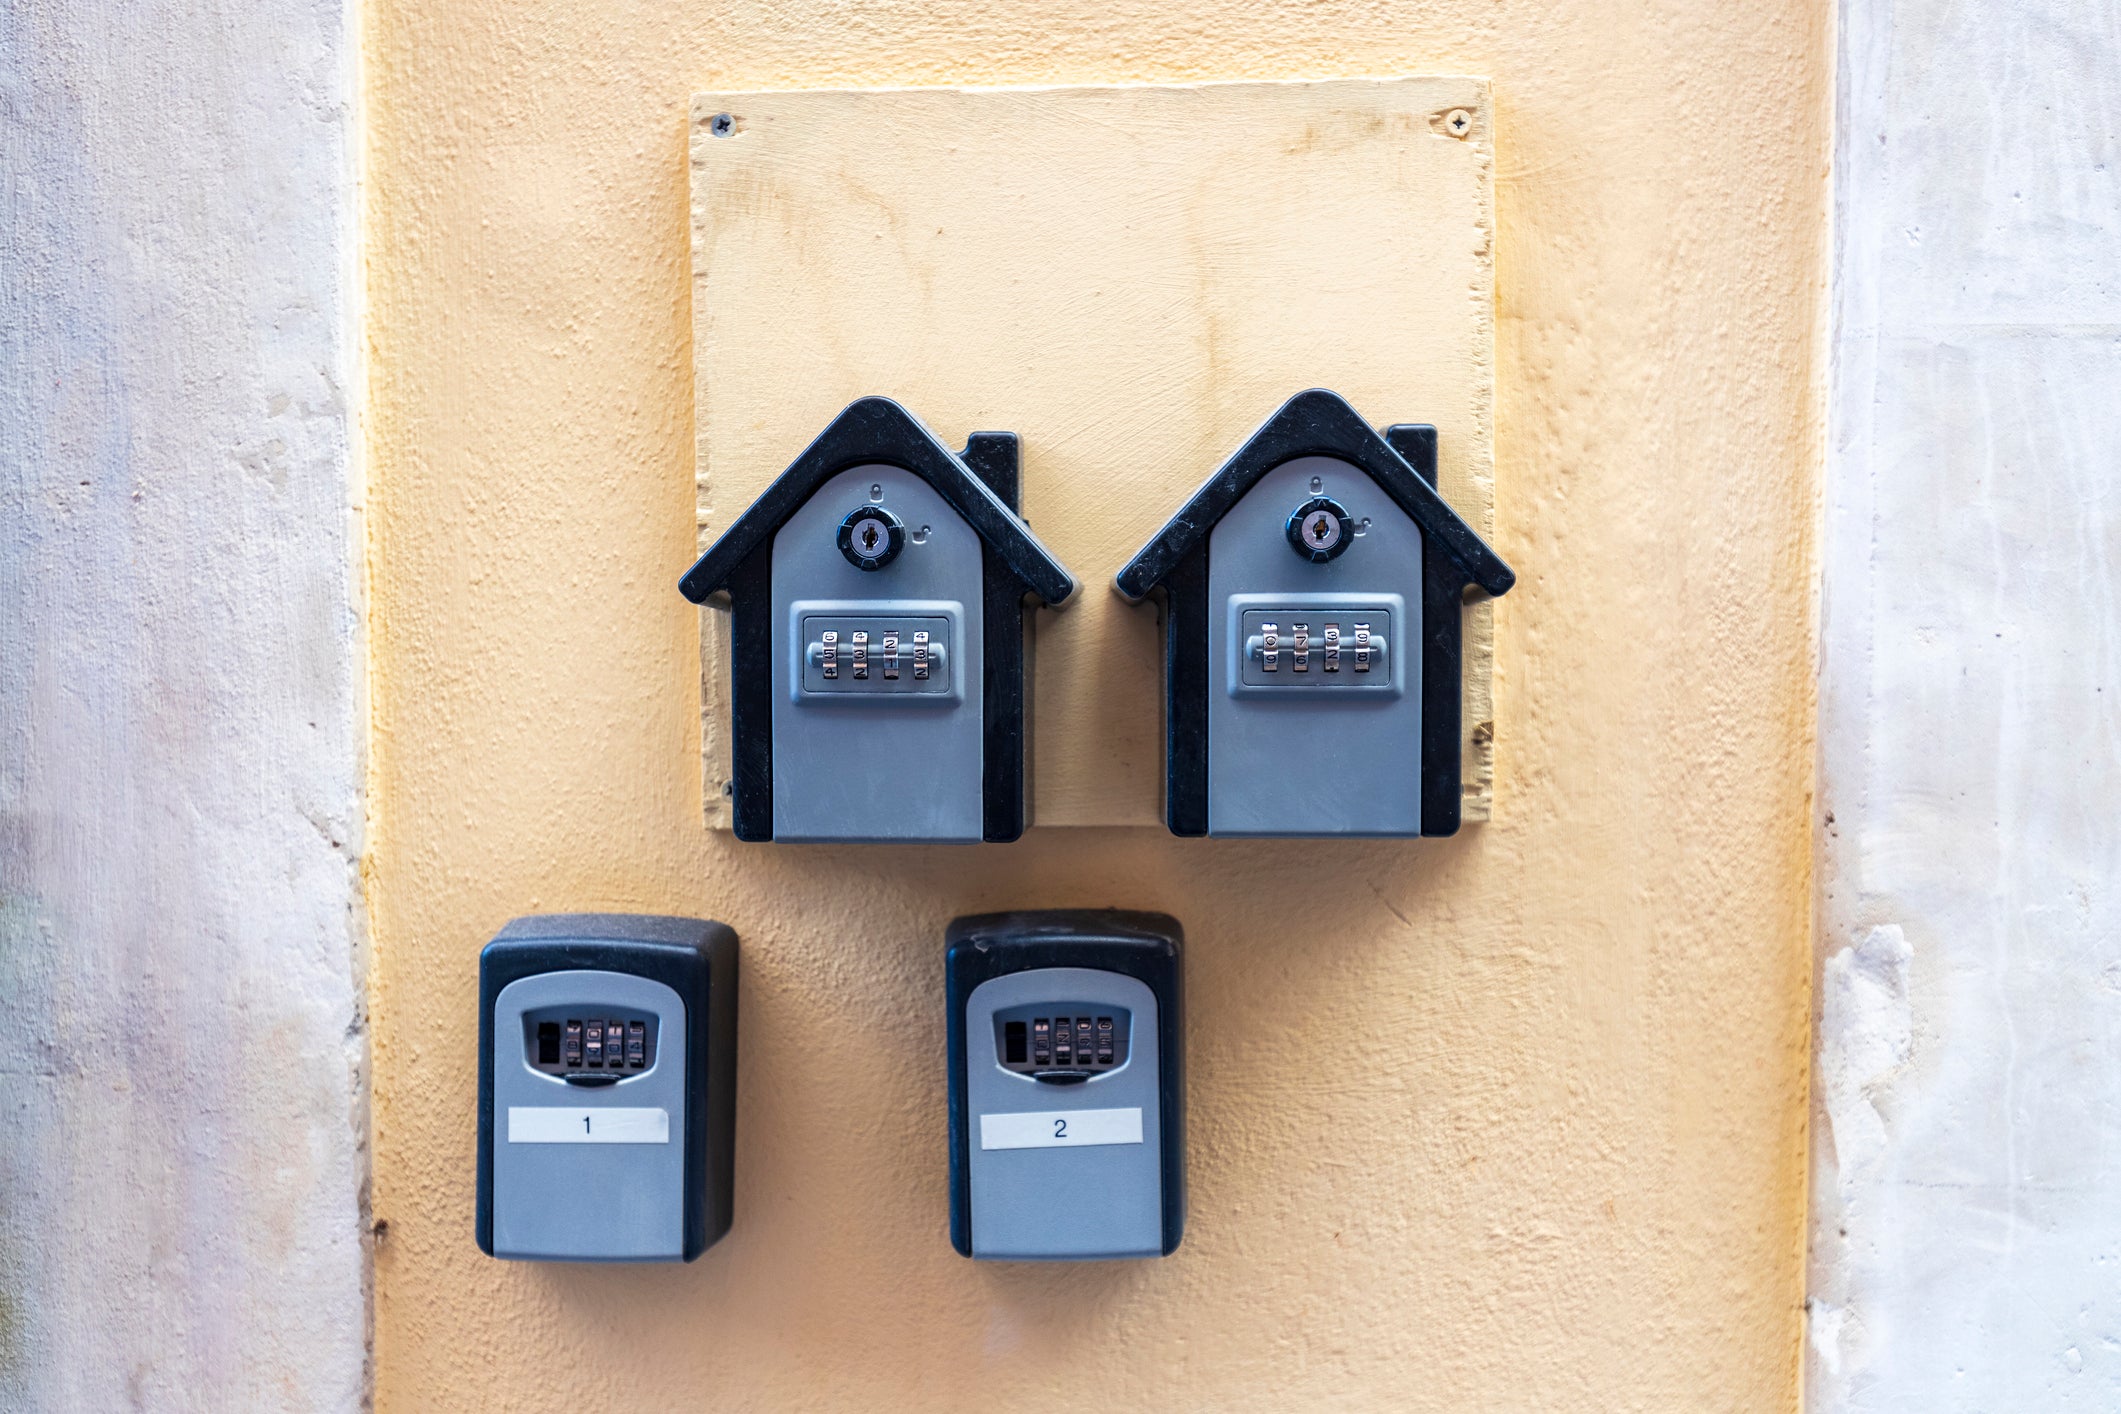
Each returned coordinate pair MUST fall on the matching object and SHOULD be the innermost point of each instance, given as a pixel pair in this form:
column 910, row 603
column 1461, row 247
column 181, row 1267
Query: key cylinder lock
column 871, row 537
column 1319, row 530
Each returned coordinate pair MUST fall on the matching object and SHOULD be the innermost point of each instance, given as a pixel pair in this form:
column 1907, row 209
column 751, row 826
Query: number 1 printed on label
column 614, row 1124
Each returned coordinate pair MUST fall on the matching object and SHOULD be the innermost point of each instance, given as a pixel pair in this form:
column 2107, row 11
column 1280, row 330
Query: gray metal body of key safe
column 588, row 1198
column 898, row 759
column 1059, row 1197
column 1310, row 752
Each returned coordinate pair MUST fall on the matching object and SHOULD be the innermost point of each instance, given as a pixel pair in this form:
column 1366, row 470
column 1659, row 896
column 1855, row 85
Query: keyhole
column 870, row 537
column 1317, row 529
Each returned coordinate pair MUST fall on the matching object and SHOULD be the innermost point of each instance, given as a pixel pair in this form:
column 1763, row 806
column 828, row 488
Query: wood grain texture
column 1131, row 278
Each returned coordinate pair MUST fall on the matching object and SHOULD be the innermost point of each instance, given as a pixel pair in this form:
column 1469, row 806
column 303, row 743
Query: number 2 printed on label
column 1060, row 1129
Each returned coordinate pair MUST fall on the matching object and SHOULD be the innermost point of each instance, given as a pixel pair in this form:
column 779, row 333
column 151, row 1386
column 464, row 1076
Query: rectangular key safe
column 1067, row 1085
column 607, row 1088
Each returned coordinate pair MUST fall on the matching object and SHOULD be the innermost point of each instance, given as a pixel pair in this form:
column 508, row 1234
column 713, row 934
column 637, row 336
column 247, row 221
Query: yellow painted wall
column 1515, row 1120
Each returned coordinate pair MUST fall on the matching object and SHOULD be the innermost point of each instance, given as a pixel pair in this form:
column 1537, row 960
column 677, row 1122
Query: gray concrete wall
column 1967, row 1195
column 182, row 1040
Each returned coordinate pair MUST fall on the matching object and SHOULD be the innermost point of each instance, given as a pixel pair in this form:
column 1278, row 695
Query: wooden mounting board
column 1129, row 278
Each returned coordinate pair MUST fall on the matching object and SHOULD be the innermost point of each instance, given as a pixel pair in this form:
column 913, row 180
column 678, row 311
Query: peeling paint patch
column 1824, row 1323
column 1866, row 1035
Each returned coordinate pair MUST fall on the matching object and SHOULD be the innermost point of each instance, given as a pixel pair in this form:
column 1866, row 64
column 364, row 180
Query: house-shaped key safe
column 880, row 591
column 1312, row 588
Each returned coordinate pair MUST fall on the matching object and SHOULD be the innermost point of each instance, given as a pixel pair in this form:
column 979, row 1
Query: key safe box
column 1067, row 1085
column 607, row 1088
column 1312, row 589
column 879, row 675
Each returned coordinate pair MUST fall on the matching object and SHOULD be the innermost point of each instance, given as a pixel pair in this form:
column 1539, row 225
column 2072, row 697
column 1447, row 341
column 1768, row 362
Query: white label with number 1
column 550, row 1124
column 1060, row 1129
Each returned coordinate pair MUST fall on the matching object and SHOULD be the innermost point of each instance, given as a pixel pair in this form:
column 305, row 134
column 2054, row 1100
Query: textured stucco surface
column 1512, row 1121
column 1966, row 1229
column 182, row 1142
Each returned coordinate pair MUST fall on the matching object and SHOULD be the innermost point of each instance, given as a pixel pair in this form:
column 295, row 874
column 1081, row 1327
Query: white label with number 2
column 1060, row 1129
column 551, row 1124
